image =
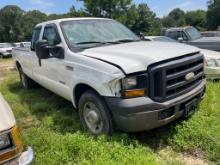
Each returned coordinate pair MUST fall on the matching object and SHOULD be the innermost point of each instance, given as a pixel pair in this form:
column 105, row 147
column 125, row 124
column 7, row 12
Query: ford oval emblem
column 190, row 76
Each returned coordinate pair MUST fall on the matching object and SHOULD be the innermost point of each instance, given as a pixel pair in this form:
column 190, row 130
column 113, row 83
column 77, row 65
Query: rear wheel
column 26, row 82
column 94, row 114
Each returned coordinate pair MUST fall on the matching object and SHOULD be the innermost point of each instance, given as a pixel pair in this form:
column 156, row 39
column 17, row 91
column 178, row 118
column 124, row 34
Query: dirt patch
column 169, row 156
column 7, row 67
column 1, row 79
column 195, row 157
column 191, row 160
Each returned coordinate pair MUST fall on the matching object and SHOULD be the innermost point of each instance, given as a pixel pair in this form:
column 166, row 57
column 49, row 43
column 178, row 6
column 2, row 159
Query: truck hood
column 137, row 56
column 7, row 119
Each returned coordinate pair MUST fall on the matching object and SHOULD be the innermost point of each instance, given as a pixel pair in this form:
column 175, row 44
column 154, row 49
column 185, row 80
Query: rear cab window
column 173, row 35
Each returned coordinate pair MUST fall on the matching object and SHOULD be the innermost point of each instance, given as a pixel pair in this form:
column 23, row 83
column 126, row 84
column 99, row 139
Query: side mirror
column 42, row 50
column 180, row 39
column 142, row 36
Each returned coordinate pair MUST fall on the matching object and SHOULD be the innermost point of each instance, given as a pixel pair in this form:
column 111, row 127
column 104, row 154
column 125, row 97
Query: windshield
column 193, row 33
column 164, row 39
column 89, row 33
column 6, row 45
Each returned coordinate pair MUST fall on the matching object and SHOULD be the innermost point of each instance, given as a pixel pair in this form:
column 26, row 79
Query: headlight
column 218, row 62
column 4, row 141
column 134, row 86
column 212, row 62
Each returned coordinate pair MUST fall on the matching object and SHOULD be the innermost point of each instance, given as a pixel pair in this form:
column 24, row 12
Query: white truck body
column 102, row 68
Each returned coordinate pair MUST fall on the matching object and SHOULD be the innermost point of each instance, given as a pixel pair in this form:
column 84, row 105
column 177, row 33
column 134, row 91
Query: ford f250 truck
column 192, row 36
column 113, row 78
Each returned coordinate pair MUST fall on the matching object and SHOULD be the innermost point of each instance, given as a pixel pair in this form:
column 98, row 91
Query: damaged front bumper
column 24, row 159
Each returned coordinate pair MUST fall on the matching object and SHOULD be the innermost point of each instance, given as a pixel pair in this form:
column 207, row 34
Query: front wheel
column 94, row 114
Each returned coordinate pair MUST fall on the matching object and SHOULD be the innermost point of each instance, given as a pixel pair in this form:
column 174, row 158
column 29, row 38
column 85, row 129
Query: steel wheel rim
column 92, row 118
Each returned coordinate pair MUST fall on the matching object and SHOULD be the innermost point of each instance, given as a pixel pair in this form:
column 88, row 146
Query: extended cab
column 192, row 36
column 113, row 78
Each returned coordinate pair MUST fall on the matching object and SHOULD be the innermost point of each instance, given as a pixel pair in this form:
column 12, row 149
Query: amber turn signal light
column 134, row 93
column 15, row 150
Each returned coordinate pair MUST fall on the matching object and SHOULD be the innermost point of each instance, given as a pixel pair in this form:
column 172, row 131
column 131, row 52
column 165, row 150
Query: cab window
column 181, row 34
column 173, row 35
column 51, row 35
column 35, row 37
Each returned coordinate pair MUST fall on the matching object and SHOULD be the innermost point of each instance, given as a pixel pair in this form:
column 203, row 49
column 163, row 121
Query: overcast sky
column 160, row 7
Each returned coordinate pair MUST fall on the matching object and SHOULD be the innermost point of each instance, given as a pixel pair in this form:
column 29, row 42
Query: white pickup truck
column 113, row 78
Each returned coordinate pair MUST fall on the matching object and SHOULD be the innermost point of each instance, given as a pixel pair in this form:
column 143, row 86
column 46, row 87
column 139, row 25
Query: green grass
column 51, row 126
column 202, row 131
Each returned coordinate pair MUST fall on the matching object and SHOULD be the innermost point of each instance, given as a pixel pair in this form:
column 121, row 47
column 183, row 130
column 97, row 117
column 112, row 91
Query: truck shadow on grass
column 42, row 108
column 45, row 109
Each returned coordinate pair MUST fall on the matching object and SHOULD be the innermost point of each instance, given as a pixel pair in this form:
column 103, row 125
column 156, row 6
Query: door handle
column 70, row 68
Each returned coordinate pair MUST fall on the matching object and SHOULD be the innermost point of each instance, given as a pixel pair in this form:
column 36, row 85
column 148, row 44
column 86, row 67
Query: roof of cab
column 71, row 19
column 178, row 28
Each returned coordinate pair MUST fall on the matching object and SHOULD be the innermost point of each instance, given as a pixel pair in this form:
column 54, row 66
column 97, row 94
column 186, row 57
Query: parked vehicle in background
column 11, row 148
column 5, row 49
column 212, row 64
column 111, row 76
column 22, row 44
column 212, row 58
column 192, row 36
column 211, row 34
column 159, row 39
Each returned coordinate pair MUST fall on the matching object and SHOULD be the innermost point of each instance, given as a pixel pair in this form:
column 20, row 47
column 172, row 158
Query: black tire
column 26, row 82
column 91, row 97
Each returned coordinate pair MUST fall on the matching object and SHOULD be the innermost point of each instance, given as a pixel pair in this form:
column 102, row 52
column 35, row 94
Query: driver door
column 53, row 68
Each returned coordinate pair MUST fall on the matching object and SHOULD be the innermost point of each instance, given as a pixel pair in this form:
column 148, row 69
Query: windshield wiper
column 107, row 42
column 126, row 40
column 90, row 42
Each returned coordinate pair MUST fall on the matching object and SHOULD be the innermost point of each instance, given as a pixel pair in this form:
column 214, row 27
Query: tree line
column 17, row 24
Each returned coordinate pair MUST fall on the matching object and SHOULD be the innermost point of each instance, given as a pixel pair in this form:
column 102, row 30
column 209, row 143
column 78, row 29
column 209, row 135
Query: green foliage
column 29, row 20
column 178, row 17
column 10, row 23
column 196, row 18
column 141, row 19
column 168, row 21
column 213, row 14
column 106, row 8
